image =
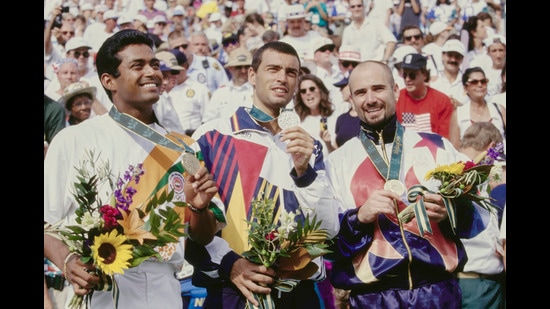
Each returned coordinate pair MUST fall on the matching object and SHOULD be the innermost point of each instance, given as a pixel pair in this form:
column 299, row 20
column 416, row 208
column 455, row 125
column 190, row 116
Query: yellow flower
column 110, row 253
column 452, row 169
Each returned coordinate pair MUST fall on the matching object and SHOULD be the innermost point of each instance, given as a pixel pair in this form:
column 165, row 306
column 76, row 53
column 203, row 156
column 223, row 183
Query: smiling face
column 311, row 96
column 373, row 93
column 274, row 81
column 138, row 85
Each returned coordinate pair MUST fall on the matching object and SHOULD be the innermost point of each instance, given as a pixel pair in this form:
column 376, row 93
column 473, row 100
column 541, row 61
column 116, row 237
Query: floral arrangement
column 288, row 246
column 117, row 235
column 457, row 180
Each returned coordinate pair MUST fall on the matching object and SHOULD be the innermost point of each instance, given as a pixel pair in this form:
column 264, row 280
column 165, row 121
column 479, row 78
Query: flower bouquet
column 457, row 180
column 117, row 235
column 288, row 246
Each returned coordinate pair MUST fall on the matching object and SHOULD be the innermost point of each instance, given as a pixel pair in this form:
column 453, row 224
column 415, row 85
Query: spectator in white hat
column 78, row 99
column 96, row 35
column 298, row 36
column 159, row 27
column 125, row 22
column 326, row 68
column 178, row 21
column 493, row 62
column 214, row 29
column 348, row 58
column 449, row 80
column 438, row 35
column 395, row 63
column 238, row 92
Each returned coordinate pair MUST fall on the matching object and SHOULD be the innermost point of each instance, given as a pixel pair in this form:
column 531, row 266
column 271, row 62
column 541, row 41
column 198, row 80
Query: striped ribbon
column 420, row 208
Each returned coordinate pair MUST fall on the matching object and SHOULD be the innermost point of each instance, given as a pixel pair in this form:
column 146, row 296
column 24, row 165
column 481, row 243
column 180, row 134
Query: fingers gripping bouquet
column 117, row 235
column 457, row 180
column 288, row 246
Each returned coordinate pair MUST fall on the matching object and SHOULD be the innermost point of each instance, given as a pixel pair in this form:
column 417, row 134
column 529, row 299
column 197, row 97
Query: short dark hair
column 468, row 72
column 107, row 59
column 279, row 46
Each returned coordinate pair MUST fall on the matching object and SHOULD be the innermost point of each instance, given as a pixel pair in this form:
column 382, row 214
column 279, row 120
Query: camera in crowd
column 59, row 18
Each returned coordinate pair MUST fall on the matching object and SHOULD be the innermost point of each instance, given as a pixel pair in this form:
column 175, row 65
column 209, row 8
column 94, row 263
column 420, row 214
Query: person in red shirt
column 419, row 106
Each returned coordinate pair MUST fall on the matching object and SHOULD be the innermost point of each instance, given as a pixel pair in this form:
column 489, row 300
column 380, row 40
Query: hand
column 300, row 147
column 251, row 278
column 435, row 208
column 80, row 275
column 380, row 202
column 200, row 188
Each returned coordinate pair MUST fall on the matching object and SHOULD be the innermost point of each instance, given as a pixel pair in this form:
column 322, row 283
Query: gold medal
column 395, row 186
column 288, row 119
column 190, row 163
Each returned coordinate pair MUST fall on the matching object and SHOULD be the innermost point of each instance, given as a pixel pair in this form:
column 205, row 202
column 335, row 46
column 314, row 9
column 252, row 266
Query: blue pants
column 441, row 295
column 228, row 296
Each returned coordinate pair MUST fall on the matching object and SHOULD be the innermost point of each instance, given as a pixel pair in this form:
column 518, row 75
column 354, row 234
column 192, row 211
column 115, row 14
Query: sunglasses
column 356, row 6
column 325, row 48
column 346, row 64
column 411, row 75
column 174, row 72
column 184, row 46
column 240, row 67
column 416, row 37
column 477, row 82
column 85, row 54
column 67, row 32
column 311, row 89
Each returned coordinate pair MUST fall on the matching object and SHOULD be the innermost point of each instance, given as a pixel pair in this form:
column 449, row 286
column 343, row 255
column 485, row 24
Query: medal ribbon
column 134, row 125
column 378, row 161
column 261, row 116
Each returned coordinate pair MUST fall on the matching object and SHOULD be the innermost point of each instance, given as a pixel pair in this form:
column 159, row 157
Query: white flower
column 91, row 220
column 287, row 223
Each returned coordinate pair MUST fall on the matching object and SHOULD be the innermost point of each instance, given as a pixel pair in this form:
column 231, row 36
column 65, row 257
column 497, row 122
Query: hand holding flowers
column 114, row 236
column 288, row 246
column 457, row 180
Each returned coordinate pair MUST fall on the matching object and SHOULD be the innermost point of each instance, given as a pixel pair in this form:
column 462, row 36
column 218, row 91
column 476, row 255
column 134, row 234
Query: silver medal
column 288, row 119
column 190, row 163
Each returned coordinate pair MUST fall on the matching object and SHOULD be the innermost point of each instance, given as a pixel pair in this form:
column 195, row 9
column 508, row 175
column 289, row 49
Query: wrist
column 66, row 261
column 195, row 209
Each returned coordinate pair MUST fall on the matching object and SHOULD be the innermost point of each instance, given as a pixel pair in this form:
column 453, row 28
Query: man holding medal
column 383, row 262
column 261, row 152
column 129, row 135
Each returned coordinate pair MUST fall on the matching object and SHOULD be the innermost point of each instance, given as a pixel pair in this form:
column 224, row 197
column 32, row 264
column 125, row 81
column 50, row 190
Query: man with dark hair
column 249, row 153
column 130, row 74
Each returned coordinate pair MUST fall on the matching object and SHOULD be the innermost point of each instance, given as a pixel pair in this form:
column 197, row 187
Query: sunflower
column 110, row 253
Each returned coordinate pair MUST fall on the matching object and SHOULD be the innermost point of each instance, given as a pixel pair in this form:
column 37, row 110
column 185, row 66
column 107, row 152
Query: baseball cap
column 142, row 18
column 437, row 27
column 178, row 10
column 75, row 89
column 214, row 17
column 101, row 8
column 110, row 14
column 124, row 19
column 169, row 59
column 87, row 6
column 342, row 83
column 495, row 38
column 295, row 11
column 401, row 51
column 454, row 45
column 414, row 61
column 159, row 19
column 349, row 53
column 180, row 57
column 239, row 56
column 76, row 42
column 229, row 37
column 321, row 42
